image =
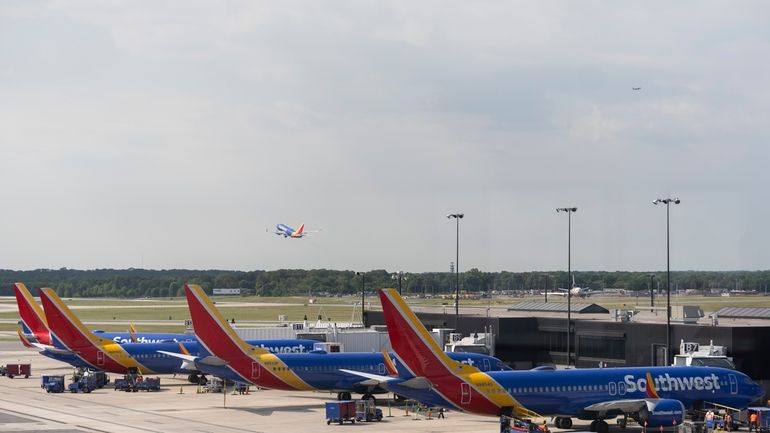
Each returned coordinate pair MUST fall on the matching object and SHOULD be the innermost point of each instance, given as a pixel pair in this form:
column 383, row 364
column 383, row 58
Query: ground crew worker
column 754, row 421
column 440, row 413
column 544, row 427
column 729, row 421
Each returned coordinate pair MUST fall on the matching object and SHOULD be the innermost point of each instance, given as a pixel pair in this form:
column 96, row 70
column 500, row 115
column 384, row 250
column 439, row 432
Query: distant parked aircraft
column 288, row 232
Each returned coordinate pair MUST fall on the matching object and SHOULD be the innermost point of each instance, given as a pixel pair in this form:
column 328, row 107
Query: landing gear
column 368, row 396
column 343, row 396
column 600, row 426
column 622, row 423
column 563, row 422
column 398, row 398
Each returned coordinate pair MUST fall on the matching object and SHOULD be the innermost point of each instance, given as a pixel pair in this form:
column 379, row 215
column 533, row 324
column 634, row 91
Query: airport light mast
column 363, row 292
column 569, row 211
column 457, row 217
column 667, row 202
column 398, row 276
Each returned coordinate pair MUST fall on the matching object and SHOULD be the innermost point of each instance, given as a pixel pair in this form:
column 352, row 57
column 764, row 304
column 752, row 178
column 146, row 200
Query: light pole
column 569, row 211
column 363, row 292
column 398, row 276
column 457, row 217
column 667, row 202
column 652, row 291
column 545, row 292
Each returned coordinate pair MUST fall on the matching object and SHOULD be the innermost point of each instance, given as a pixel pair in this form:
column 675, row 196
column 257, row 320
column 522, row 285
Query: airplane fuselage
column 569, row 392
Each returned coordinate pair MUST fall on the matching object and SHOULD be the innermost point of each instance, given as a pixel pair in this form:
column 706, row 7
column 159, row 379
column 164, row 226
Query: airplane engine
column 664, row 412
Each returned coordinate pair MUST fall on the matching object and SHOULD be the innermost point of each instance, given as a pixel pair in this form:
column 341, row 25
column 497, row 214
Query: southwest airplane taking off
column 35, row 330
column 316, row 371
column 75, row 344
column 288, row 232
column 656, row 396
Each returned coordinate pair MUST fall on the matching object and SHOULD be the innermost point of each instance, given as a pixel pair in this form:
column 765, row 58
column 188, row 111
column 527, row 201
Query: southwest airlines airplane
column 234, row 359
column 75, row 344
column 35, row 330
column 655, row 396
column 288, row 232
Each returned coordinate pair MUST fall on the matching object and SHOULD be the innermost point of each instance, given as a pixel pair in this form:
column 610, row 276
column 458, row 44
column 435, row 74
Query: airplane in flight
column 75, row 344
column 655, row 396
column 230, row 357
column 288, row 232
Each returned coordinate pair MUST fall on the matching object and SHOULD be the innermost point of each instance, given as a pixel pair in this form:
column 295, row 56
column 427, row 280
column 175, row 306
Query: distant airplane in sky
column 288, row 232
column 636, row 88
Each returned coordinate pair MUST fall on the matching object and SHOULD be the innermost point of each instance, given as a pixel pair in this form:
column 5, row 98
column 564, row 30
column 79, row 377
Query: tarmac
column 25, row 407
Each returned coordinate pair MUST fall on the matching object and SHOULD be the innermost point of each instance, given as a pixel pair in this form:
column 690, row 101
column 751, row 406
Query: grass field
column 138, row 312
column 341, row 309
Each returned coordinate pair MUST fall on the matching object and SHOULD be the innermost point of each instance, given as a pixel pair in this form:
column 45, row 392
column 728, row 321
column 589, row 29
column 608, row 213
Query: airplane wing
column 52, row 349
column 376, row 379
column 207, row 360
column 627, row 406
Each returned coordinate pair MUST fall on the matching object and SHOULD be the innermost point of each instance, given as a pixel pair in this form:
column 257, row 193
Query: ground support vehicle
column 763, row 417
column 83, row 384
column 12, row 370
column 148, row 384
column 52, row 383
column 341, row 411
column 367, row 411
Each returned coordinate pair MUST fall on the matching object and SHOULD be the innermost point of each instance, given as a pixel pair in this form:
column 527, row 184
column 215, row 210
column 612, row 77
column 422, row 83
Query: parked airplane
column 575, row 291
column 656, row 396
column 35, row 326
column 288, row 232
column 234, row 359
column 75, row 344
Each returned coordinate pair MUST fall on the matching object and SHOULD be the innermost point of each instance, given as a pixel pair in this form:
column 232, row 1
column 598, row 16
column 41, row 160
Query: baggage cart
column 341, row 411
column 12, row 370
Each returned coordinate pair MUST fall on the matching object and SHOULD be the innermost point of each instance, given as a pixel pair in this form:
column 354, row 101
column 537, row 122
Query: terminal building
column 527, row 336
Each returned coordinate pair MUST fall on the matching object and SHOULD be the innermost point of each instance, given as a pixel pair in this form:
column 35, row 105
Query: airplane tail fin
column 32, row 316
column 132, row 332
column 457, row 382
column 299, row 231
column 68, row 332
column 65, row 327
column 212, row 328
column 412, row 342
column 390, row 366
column 24, row 340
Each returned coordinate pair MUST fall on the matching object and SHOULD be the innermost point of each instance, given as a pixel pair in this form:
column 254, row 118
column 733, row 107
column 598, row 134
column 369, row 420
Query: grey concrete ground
column 25, row 407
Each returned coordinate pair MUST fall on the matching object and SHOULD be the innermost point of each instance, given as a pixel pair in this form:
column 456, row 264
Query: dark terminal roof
column 744, row 312
column 559, row 307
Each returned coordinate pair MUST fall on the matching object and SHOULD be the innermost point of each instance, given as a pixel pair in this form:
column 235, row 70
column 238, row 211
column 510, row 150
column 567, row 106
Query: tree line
column 137, row 283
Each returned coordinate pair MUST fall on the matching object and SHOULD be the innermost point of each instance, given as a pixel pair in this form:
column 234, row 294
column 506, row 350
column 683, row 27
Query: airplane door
column 381, row 368
column 733, row 384
column 100, row 358
column 465, row 393
column 487, row 366
column 255, row 370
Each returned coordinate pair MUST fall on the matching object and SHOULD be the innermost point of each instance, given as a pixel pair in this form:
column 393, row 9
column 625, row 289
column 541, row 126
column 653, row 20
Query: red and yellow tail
column 467, row 387
column 298, row 232
column 73, row 335
column 254, row 364
column 31, row 314
column 132, row 332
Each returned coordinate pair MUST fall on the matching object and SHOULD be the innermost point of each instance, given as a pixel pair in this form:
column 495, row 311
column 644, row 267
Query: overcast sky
column 174, row 133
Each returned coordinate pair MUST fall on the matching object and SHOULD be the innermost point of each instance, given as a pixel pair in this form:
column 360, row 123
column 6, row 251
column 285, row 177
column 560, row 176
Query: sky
column 177, row 134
